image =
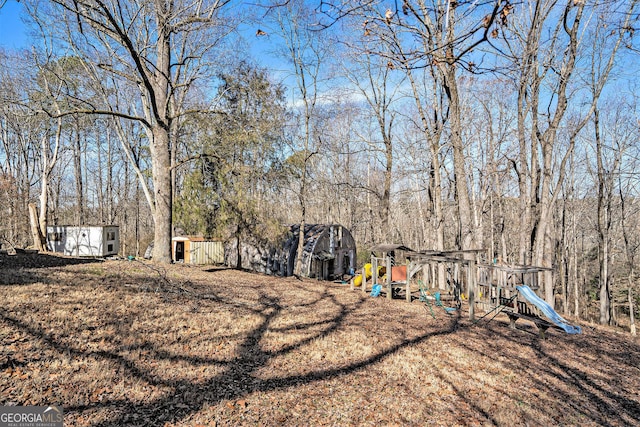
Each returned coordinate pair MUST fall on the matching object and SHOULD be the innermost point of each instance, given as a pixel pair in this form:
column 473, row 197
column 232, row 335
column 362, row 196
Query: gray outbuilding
column 329, row 253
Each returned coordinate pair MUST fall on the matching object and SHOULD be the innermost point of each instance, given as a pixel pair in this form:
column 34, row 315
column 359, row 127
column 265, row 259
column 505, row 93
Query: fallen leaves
column 265, row 351
column 237, row 404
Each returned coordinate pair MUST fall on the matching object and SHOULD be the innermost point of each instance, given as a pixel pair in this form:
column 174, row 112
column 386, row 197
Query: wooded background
column 436, row 124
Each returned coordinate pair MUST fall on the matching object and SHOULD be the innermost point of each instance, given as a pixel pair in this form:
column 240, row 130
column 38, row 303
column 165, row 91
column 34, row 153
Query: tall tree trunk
column 432, row 134
column 48, row 160
column 161, row 145
column 547, row 139
column 303, row 218
column 576, row 282
column 100, row 190
column 528, row 95
column 44, row 203
column 300, row 249
column 630, row 251
column 137, row 218
column 124, row 216
column 386, row 194
column 372, row 229
column 632, row 318
column 110, row 198
column 465, row 237
column 422, row 214
column 163, row 218
column 574, row 241
column 38, row 238
column 238, row 249
column 564, row 259
column 302, row 197
column 603, row 225
column 77, row 168
column 436, row 189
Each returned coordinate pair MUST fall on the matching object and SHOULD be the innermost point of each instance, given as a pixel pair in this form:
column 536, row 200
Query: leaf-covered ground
column 131, row 343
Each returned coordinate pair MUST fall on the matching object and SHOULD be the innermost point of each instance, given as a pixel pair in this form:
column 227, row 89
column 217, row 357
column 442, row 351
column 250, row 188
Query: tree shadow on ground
column 40, row 260
column 561, row 371
column 23, row 268
column 555, row 372
column 239, row 376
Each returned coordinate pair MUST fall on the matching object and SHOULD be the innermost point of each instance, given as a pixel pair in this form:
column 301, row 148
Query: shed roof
column 191, row 239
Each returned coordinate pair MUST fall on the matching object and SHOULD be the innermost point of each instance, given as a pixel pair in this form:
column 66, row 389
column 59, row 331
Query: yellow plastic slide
column 357, row 280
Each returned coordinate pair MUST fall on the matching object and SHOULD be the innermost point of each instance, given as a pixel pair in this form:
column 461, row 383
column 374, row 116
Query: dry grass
column 129, row 343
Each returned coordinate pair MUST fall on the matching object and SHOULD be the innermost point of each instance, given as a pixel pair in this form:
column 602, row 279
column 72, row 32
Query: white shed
column 84, row 240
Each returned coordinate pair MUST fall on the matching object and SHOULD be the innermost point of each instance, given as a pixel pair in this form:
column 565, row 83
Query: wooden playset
column 446, row 278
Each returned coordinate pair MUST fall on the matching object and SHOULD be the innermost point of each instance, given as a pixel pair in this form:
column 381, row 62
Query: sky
column 262, row 49
column 12, row 31
column 13, row 35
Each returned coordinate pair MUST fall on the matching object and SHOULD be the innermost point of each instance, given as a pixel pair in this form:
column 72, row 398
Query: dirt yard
column 130, row 343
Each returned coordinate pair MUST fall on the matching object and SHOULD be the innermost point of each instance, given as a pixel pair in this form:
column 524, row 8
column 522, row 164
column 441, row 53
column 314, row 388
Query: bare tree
column 631, row 242
column 306, row 52
column 490, row 129
column 157, row 47
column 372, row 79
column 20, row 136
column 542, row 164
column 439, row 38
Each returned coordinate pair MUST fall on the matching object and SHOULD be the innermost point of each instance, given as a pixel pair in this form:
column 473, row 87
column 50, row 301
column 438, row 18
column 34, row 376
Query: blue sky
column 12, row 30
column 13, row 35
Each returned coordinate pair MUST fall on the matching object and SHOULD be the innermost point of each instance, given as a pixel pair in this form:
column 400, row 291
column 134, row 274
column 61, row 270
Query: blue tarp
column 548, row 311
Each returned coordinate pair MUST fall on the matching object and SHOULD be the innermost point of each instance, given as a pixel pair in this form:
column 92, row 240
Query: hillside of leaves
column 131, row 343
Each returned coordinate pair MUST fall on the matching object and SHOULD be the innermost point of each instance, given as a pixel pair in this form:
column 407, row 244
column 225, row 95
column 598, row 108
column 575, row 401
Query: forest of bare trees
column 438, row 124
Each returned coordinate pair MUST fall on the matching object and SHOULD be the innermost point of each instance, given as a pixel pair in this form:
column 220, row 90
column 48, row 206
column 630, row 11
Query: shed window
column 110, row 247
column 111, row 235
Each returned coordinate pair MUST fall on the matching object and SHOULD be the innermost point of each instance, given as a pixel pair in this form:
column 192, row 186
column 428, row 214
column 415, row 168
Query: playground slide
column 548, row 311
column 357, row 280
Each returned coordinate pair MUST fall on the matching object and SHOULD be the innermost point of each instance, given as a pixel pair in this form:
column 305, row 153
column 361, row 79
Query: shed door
column 179, row 251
